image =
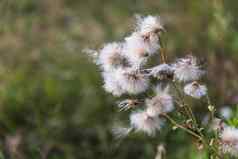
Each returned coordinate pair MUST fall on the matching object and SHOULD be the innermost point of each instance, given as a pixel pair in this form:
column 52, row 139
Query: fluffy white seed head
column 137, row 49
column 132, row 81
column 111, row 83
column 162, row 71
column 161, row 103
column 229, row 140
column 111, row 57
column 187, row 69
column 141, row 121
column 195, row 90
column 149, row 25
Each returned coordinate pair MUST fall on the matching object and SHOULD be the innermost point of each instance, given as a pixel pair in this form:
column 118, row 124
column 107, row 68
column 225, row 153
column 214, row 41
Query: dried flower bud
column 211, row 108
column 128, row 104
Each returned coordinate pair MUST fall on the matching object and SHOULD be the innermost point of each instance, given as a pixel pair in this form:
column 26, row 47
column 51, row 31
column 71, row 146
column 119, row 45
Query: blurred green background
column 52, row 104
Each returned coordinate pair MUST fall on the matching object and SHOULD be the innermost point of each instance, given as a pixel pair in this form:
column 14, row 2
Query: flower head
column 111, row 83
column 195, row 90
column 137, row 49
column 229, row 141
column 187, row 69
column 141, row 121
column 149, row 25
column 133, row 81
column 161, row 103
column 162, row 71
column 110, row 56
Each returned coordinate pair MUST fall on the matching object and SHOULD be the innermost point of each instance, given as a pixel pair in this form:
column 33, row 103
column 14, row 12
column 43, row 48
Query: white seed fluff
column 132, row 81
column 161, row 71
column 141, row 121
column 229, row 141
column 161, row 103
column 110, row 56
column 149, row 24
column 137, row 49
column 111, row 83
column 186, row 69
column 195, row 90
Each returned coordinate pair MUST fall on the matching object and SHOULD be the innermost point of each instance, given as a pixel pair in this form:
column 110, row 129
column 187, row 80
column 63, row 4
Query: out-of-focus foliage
column 52, row 104
column 233, row 120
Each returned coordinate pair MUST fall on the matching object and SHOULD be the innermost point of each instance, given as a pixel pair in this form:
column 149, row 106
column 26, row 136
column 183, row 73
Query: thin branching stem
column 187, row 108
column 210, row 105
column 162, row 51
column 180, row 126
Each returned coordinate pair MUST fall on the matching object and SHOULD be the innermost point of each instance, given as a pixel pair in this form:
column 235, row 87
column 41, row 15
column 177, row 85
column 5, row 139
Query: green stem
column 187, row 108
column 162, row 51
column 210, row 104
column 208, row 100
column 181, row 127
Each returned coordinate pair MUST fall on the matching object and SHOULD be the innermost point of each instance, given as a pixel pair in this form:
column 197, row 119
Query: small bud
column 211, row 108
column 200, row 129
column 174, row 127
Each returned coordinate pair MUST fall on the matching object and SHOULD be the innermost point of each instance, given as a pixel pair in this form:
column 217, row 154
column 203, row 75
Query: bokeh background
column 52, row 104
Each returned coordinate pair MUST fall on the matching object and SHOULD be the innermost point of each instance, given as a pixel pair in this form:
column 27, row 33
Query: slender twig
column 189, row 112
column 162, row 54
column 192, row 115
column 180, row 126
column 210, row 105
column 186, row 107
column 162, row 51
column 208, row 100
column 180, row 107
